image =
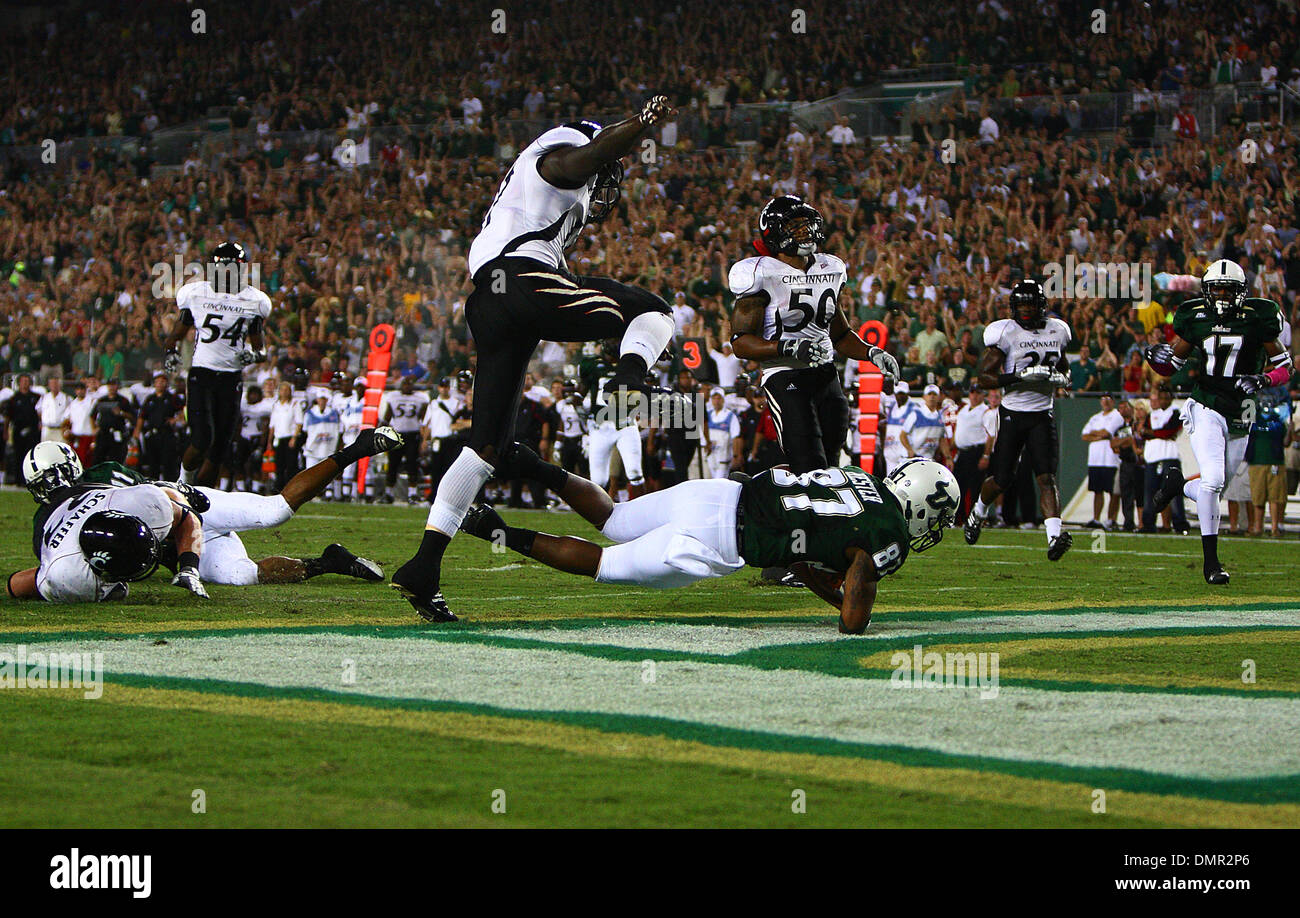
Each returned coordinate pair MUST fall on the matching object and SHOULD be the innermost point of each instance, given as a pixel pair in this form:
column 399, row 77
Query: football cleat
column 1059, row 546
column 1170, row 487
column 791, row 579
column 972, row 528
column 1216, row 576
column 413, row 581
column 342, row 561
column 483, row 522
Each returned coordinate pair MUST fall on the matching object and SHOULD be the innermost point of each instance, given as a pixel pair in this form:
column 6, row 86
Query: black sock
column 355, row 451
column 631, row 365
column 432, row 546
column 550, row 476
column 315, row 567
column 520, row 540
column 1210, row 550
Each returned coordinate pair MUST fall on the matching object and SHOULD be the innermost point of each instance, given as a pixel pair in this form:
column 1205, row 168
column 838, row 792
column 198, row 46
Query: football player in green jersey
column 1235, row 338
column 846, row 529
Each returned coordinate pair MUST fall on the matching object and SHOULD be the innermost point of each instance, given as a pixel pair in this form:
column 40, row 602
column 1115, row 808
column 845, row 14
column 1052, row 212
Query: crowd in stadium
column 933, row 233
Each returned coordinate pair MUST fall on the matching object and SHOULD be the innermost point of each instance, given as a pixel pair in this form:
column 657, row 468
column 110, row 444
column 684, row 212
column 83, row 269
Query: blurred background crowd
column 353, row 148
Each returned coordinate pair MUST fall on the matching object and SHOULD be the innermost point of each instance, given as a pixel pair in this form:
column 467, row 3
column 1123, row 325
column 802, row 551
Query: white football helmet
column 929, row 494
column 1224, row 286
column 48, row 466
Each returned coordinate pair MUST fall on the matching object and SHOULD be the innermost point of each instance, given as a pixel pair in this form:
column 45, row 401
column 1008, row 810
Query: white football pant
column 627, row 440
column 1218, row 455
column 673, row 537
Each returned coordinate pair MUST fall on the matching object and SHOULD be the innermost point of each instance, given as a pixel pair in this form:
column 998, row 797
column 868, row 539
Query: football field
column 994, row 688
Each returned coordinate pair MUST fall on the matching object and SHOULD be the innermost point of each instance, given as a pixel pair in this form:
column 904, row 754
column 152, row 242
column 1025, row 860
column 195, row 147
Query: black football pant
column 408, row 455
column 159, row 458
column 212, row 409
column 811, row 416
column 519, row 302
column 969, row 477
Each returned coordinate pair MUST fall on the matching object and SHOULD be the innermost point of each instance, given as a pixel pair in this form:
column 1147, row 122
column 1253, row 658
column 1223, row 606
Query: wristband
column 1006, row 380
column 187, row 559
column 1278, row 375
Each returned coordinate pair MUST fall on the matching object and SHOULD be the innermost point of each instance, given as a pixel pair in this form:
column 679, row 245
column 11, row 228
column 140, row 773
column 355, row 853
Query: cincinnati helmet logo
column 99, row 562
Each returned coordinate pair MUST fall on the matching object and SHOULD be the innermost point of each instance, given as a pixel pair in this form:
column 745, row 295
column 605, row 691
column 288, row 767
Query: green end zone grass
column 135, row 756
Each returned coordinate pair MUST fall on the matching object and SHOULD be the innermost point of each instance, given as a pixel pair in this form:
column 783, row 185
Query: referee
column 971, row 441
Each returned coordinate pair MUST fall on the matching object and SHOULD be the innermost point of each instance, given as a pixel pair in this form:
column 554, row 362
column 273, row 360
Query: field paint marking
column 729, row 640
column 1143, row 554
column 1194, row 736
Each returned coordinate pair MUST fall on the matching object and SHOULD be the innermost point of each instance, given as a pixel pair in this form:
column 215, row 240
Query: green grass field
column 559, row 702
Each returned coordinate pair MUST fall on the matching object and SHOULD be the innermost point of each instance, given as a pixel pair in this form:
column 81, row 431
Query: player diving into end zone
column 844, row 528
column 99, row 530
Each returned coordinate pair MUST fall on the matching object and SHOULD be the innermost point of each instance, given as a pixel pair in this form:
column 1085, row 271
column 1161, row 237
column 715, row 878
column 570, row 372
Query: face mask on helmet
column 1225, row 295
column 606, row 192
column 790, row 226
column 48, row 467
column 1029, row 305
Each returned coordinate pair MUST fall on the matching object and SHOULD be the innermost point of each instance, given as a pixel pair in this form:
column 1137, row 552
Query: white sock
column 1053, row 525
column 187, row 476
column 457, row 491
column 647, row 335
column 1207, row 509
column 337, row 489
column 981, row 509
column 225, row 485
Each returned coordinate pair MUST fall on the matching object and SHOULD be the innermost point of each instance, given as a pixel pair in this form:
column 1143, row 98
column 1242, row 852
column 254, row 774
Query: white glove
column 885, row 363
column 248, row 357
column 172, row 362
column 1059, row 380
column 187, row 578
column 813, row 352
column 1037, row 373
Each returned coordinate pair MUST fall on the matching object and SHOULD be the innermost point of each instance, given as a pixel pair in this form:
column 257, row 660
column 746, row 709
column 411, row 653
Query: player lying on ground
column 100, row 530
column 843, row 528
column 1235, row 337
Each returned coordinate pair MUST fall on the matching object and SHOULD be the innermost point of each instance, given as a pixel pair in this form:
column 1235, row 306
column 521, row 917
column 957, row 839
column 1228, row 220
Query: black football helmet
column 1029, row 304
column 119, row 547
column 228, row 260
column 339, row 381
column 790, row 226
column 464, row 380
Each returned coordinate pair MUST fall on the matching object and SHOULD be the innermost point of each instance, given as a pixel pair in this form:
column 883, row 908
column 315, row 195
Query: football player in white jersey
column 351, row 407
column 95, row 533
column 254, row 420
column 227, row 315
column 404, row 410
column 525, row 293
column 1025, row 357
column 787, row 317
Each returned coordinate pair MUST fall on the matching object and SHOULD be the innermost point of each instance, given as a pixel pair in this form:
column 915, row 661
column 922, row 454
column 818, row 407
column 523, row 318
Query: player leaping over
column 843, row 528
column 1236, row 339
column 524, row 293
column 99, row 530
